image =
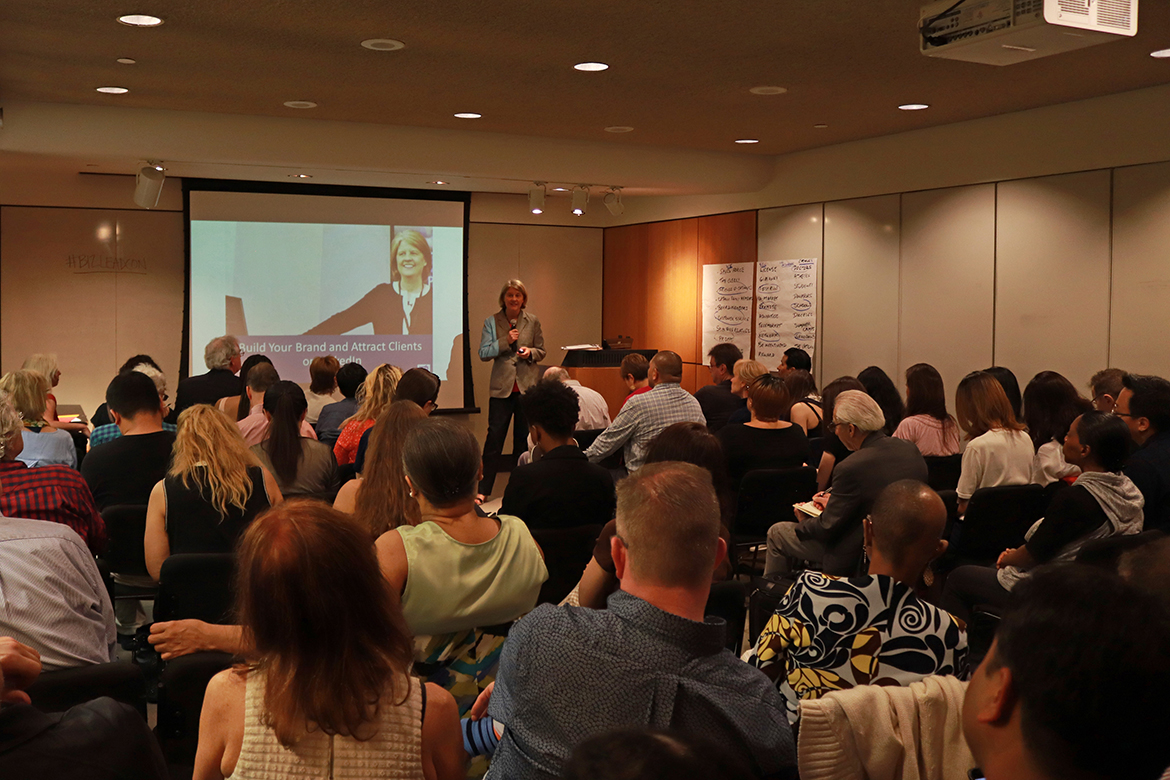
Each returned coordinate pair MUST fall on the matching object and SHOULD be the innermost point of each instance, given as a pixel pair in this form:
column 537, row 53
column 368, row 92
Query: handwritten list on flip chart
column 786, row 307
column 727, row 305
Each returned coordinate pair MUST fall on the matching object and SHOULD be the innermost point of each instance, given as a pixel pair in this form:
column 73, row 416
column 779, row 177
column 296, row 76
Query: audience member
column 46, row 365
column 222, row 358
column 717, row 400
column 1106, row 386
column 456, row 569
column 99, row 740
column 1102, row 503
column 254, row 427
column 880, row 388
column 835, row 537
column 322, row 386
column 645, row 416
column 419, row 386
column 766, row 441
column 42, row 443
column 1011, row 388
column 634, row 371
column 1047, row 702
column 307, row 704
column 745, row 372
column 999, row 451
column 892, row 636
column 350, row 379
column 1147, row 565
column 126, row 469
column 303, row 467
column 927, row 422
column 1144, row 404
column 110, row 431
column 376, row 394
column 594, row 411
column 102, row 417
column 1051, row 403
column 794, row 359
column 567, row 674
column 650, row 754
column 238, row 407
column 379, row 497
column 834, row 452
column 563, row 489
column 56, row 494
column 806, row 409
column 212, row 492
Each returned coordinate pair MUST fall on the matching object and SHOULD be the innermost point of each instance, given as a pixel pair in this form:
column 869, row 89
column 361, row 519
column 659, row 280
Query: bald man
column 891, row 637
column 647, row 415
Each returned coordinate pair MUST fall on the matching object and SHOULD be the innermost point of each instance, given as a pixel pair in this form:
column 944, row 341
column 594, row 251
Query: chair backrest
column 943, row 471
column 997, row 518
column 566, row 554
column 728, row 600
column 766, row 497
column 585, row 438
column 58, row 691
column 126, row 527
column 196, row 586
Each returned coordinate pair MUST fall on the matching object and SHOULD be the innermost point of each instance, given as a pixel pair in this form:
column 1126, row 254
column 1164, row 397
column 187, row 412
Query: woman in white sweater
column 999, row 451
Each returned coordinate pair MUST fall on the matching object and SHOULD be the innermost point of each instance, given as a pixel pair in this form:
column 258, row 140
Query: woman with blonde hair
column 214, row 489
column 328, row 691
column 376, row 393
column 743, row 374
column 379, row 497
column 46, row 365
column 999, row 451
column 43, row 444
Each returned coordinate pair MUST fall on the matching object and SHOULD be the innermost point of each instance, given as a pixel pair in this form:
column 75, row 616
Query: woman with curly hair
column 376, row 393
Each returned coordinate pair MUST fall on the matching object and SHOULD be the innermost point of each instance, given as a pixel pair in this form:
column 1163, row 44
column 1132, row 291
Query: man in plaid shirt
column 57, row 494
column 647, row 415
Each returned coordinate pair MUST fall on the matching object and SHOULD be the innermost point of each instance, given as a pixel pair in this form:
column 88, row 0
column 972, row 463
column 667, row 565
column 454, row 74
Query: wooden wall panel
column 722, row 238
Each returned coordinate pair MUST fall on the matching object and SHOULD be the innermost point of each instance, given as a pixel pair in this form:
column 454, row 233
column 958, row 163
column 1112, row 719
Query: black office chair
column 766, row 497
column 566, row 554
column 196, row 586
column 728, row 600
column 585, row 438
column 125, row 557
column 181, row 689
column 943, row 471
column 58, row 691
column 997, row 518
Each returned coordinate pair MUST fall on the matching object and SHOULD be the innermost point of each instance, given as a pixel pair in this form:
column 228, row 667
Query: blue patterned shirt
column 641, row 419
column 107, row 433
column 570, row 673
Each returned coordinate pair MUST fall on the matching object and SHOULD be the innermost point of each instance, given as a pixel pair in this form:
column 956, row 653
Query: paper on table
column 727, row 305
column 593, row 347
column 786, row 307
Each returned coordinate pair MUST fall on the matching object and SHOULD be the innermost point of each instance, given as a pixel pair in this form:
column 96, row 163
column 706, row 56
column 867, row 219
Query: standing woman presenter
column 513, row 341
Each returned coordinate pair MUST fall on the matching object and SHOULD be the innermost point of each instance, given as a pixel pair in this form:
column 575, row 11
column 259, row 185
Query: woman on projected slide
column 401, row 307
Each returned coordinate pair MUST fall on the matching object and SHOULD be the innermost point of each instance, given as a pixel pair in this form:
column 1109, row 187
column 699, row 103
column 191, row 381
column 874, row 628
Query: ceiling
column 680, row 71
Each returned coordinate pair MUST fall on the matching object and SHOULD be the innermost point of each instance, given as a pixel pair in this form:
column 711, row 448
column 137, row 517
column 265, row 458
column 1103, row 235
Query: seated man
column 895, row 638
column 594, row 411
column 125, row 469
column 52, row 492
column 110, row 431
column 1076, row 682
column 254, row 427
column 835, row 537
column 1106, row 386
column 350, row 378
column 633, row 371
column 647, row 415
column 1144, row 404
column 563, row 489
column 222, row 358
column 716, row 400
column 794, row 359
column 650, row 659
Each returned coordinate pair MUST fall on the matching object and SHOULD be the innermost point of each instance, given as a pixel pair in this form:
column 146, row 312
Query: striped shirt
column 54, row 493
column 51, row 595
column 641, row 419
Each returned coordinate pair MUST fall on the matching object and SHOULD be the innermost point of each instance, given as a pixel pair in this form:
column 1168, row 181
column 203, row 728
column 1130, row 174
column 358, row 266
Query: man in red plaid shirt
column 57, row 494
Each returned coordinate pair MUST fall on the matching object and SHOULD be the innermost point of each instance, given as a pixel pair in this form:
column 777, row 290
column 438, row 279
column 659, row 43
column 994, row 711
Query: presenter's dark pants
column 501, row 411
column 971, row 586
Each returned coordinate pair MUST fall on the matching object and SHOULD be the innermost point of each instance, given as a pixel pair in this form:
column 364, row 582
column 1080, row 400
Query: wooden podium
column 600, row 369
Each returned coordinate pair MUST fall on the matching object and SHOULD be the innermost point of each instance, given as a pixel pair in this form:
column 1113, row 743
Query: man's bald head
column 668, row 365
column 908, row 520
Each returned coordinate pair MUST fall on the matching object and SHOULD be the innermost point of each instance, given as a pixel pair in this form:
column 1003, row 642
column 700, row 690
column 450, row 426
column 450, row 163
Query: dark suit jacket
column 561, row 490
column 718, row 403
column 206, row 388
column 857, row 481
column 1149, row 468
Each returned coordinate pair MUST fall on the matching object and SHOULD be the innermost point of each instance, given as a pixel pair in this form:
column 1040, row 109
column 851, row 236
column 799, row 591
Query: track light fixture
column 148, row 184
column 536, row 198
column 613, row 201
column 580, row 200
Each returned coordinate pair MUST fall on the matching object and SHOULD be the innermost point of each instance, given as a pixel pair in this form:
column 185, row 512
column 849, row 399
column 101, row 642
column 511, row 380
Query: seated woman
column 302, row 466
column 47, row 366
column 880, row 388
column 1051, row 403
column 238, row 407
column 999, row 451
column 806, row 409
column 927, row 422
column 418, row 385
column 1102, row 503
column 767, row 441
column 322, row 386
column 376, row 394
column 214, row 489
column 743, row 374
column 42, row 443
column 308, row 705
column 379, row 498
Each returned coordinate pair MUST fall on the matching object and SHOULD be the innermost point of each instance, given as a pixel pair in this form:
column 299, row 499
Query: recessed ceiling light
column 140, row 20
column 560, row 189
column 383, row 44
column 438, row 181
column 127, row 61
column 1160, row 54
column 913, row 106
column 300, row 176
column 591, row 67
column 767, row 90
column 468, row 115
column 113, row 90
column 300, row 104
column 619, row 129
column 747, row 140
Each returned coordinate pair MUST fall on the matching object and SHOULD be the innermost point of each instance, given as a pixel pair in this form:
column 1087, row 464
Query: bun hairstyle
column 285, row 403
column 442, row 460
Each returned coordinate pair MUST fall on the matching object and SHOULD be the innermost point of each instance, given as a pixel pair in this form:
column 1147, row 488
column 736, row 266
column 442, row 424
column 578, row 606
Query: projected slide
column 367, row 280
